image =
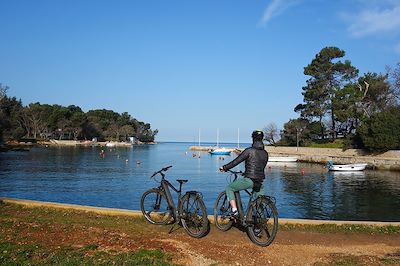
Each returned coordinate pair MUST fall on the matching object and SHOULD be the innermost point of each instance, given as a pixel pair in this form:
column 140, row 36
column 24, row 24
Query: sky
column 187, row 66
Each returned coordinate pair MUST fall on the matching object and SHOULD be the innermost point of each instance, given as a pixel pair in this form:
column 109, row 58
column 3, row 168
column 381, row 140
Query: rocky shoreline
column 25, row 146
column 389, row 160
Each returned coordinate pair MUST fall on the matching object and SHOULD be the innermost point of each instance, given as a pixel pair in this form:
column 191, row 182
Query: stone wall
column 389, row 160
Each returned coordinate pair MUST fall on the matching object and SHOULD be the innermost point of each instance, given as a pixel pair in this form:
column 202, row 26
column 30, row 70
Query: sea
column 117, row 178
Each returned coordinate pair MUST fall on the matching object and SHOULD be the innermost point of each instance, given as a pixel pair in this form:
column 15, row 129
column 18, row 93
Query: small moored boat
column 282, row 159
column 110, row 144
column 346, row 167
column 220, row 151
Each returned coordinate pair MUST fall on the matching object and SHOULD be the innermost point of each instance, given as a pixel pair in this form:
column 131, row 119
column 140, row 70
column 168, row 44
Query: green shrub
column 381, row 132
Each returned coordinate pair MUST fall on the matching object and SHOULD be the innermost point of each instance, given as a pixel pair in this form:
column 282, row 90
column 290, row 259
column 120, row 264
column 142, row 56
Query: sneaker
column 234, row 215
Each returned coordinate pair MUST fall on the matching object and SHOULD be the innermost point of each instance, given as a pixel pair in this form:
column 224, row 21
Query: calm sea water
column 82, row 176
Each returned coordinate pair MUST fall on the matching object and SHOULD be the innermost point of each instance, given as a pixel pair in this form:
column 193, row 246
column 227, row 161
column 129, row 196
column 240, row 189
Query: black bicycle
column 260, row 219
column 158, row 207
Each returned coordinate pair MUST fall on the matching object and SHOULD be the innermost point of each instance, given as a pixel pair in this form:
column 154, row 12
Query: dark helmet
column 257, row 135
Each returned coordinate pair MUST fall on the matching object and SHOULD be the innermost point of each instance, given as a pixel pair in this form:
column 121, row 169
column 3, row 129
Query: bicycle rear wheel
column 263, row 217
column 222, row 210
column 155, row 207
column 193, row 215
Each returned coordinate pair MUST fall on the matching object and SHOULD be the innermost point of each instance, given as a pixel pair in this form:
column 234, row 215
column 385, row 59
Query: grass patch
column 338, row 259
column 346, row 228
column 337, row 143
column 342, row 260
column 19, row 223
column 44, row 215
column 14, row 254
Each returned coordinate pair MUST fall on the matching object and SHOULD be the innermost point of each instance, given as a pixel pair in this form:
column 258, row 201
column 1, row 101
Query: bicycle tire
column 263, row 223
column 155, row 207
column 193, row 215
column 222, row 212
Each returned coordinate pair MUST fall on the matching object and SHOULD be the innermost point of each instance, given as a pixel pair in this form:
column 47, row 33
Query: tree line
column 43, row 121
column 338, row 103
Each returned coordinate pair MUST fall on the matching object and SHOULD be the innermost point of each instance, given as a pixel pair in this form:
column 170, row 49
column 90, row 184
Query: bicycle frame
column 165, row 185
column 239, row 204
column 238, row 199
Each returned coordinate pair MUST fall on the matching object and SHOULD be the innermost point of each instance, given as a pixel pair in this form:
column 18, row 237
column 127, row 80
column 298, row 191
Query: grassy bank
column 344, row 228
column 44, row 236
column 25, row 254
column 52, row 236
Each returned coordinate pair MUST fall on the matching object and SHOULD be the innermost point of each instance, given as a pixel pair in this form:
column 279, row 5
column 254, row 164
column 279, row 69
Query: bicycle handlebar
column 236, row 172
column 161, row 171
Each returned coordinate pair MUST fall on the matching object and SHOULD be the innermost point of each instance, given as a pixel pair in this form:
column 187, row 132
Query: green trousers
column 241, row 184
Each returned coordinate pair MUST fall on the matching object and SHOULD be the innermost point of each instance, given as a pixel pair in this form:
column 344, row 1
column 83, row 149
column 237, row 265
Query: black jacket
column 256, row 158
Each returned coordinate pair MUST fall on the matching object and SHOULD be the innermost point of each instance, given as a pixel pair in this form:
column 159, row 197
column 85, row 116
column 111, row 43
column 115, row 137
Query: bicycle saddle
column 182, row 181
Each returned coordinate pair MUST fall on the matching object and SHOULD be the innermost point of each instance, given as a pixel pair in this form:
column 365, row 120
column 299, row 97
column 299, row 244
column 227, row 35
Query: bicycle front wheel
column 155, row 207
column 193, row 215
column 263, row 224
column 222, row 210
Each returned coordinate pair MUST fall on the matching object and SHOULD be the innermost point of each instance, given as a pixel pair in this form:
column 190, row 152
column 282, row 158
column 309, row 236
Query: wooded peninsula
column 38, row 121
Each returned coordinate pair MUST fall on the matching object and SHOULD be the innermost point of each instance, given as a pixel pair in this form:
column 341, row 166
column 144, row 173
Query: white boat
column 110, row 144
column 282, row 159
column 219, row 151
column 346, row 167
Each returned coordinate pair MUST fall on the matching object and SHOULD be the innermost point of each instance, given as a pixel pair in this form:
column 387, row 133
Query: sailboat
column 218, row 150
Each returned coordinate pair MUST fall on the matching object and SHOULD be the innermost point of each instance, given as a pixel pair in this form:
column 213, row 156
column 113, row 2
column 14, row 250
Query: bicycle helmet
column 257, row 135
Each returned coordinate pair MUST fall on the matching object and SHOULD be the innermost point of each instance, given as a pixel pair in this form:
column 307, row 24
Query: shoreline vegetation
column 43, row 235
column 38, row 122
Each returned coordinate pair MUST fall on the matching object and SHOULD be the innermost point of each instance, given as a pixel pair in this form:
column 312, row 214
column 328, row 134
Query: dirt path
column 291, row 247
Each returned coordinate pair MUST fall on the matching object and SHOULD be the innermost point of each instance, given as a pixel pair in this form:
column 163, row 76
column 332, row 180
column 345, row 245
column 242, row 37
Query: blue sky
column 185, row 65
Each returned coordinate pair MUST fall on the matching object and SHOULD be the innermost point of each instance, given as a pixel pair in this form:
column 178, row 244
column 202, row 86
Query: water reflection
column 81, row 175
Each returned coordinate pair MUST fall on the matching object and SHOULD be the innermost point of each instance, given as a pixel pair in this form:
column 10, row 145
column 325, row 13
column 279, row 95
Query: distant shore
column 389, row 160
column 24, row 146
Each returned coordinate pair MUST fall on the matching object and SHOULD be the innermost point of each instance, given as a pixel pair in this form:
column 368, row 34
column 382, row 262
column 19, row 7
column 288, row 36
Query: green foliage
column 344, row 228
column 16, row 224
column 328, row 143
column 43, row 121
column 18, row 133
column 379, row 96
column 381, row 132
column 296, row 131
column 10, row 109
column 328, row 76
column 24, row 254
column 334, row 99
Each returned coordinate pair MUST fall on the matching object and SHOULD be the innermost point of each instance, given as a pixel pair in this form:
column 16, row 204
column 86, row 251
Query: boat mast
column 217, row 137
column 199, row 135
column 199, row 142
column 238, row 139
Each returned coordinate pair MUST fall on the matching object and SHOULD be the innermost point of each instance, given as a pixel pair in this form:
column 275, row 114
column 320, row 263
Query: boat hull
column 282, row 159
column 348, row 167
column 221, row 151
